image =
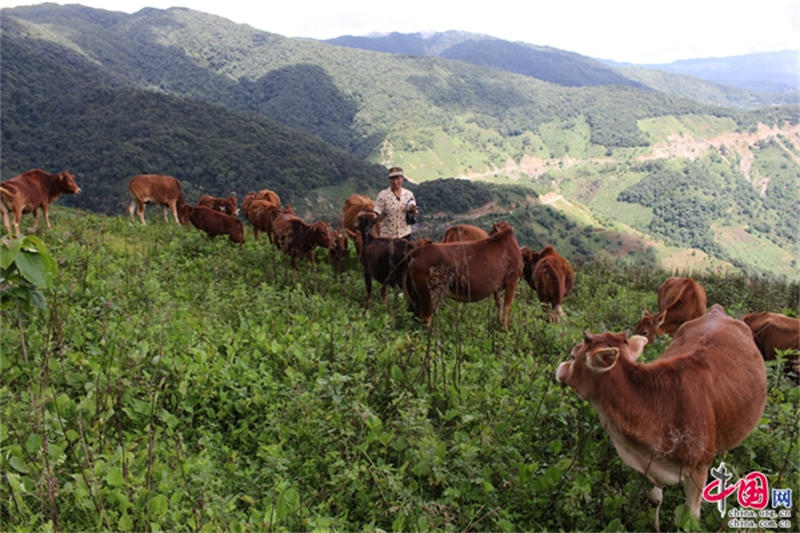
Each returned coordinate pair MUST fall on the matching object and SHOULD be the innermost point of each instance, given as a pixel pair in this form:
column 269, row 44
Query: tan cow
column 157, row 189
column 774, row 331
column 353, row 206
column 679, row 300
column 31, row 190
column 669, row 418
column 464, row 232
column 550, row 275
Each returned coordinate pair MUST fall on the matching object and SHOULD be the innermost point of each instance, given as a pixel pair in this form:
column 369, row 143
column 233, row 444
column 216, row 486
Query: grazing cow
column 229, row 205
column 774, row 331
column 679, row 300
column 158, row 189
column 353, row 206
column 465, row 271
column 383, row 259
column 464, row 232
column 337, row 254
column 297, row 239
column 550, row 275
column 260, row 209
column 213, row 222
column 31, row 190
column 668, row 418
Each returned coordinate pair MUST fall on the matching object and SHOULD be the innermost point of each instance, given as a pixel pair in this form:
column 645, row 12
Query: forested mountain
column 740, row 81
column 764, row 71
column 225, row 108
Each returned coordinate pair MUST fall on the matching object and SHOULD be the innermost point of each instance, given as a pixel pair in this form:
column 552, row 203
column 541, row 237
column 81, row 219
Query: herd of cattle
column 667, row 419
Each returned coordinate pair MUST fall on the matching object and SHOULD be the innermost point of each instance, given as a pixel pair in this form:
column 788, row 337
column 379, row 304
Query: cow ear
column 637, row 344
column 660, row 318
column 603, row 359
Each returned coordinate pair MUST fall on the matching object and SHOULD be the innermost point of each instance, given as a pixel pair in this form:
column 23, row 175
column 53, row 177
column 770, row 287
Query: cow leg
column 6, row 221
column 131, row 207
column 173, row 206
column 46, row 211
column 164, row 212
column 656, row 497
column 368, row 284
column 383, row 294
column 511, row 288
column 693, row 487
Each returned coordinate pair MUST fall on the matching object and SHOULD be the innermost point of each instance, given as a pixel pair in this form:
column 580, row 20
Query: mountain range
column 574, row 151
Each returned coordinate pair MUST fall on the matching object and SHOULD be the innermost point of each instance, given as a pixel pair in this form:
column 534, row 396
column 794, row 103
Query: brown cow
column 31, row 190
column 465, row 271
column 353, row 206
column 337, row 254
column 213, row 222
column 260, row 209
column 550, row 275
column 679, row 300
column 774, row 331
column 384, row 260
column 668, row 418
column 158, row 189
column 464, row 232
column 297, row 239
column 229, row 205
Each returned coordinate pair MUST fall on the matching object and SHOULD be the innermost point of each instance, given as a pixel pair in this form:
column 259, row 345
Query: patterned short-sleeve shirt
column 394, row 225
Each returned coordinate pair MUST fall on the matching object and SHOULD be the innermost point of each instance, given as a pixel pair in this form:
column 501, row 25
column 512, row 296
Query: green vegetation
column 178, row 382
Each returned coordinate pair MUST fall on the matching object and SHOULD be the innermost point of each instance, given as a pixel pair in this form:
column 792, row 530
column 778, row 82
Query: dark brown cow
column 213, row 222
column 464, row 232
column 465, row 271
column 229, row 206
column 297, row 239
column 383, row 259
column 31, row 190
column 774, row 331
column 668, row 418
column 157, row 189
column 679, row 300
column 550, row 275
column 353, row 206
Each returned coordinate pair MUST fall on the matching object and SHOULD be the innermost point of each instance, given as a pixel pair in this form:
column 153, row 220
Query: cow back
column 156, row 188
column 464, row 232
column 773, row 331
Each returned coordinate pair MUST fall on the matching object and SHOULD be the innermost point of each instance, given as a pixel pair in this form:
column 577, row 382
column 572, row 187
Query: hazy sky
column 640, row 31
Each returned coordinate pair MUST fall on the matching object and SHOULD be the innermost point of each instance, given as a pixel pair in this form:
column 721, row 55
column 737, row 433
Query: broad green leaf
column 33, row 443
column 18, row 464
column 114, row 477
column 8, row 252
column 125, row 522
column 159, row 505
column 34, row 269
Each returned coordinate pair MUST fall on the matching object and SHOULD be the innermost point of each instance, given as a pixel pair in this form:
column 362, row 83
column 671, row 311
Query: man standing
column 392, row 205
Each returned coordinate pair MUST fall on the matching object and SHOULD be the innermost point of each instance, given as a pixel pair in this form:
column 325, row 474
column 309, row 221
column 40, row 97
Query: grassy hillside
column 181, row 382
column 193, row 95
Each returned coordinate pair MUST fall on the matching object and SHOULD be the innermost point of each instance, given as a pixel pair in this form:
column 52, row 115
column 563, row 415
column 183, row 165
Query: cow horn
column 587, row 337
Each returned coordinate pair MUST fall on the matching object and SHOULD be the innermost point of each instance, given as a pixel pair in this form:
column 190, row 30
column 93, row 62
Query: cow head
column 321, row 234
column 66, row 183
column 592, row 360
column 650, row 325
column 185, row 213
column 499, row 226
